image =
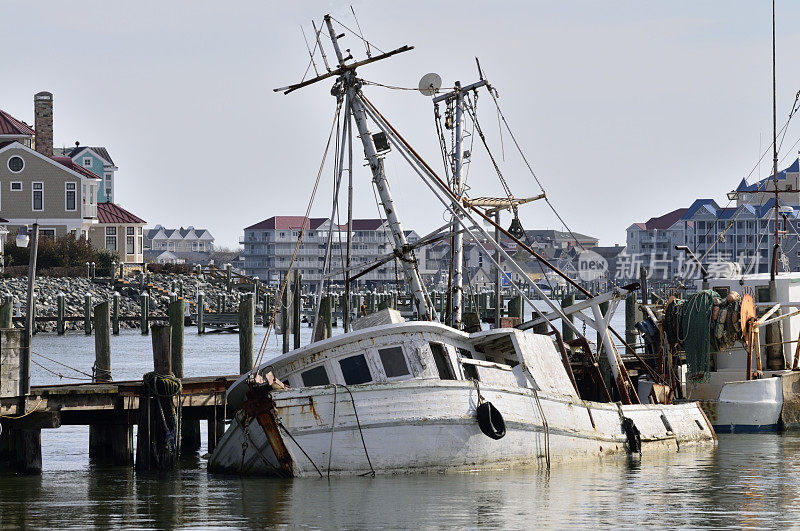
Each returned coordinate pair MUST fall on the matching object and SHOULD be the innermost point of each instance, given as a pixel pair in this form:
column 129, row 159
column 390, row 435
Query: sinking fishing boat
column 396, row 396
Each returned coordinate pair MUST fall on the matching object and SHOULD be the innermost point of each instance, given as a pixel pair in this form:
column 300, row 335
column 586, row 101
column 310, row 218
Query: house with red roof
column 62, row 196
column 652, row 244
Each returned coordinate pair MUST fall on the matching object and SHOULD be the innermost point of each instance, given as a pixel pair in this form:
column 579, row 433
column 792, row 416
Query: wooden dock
column 115, row 408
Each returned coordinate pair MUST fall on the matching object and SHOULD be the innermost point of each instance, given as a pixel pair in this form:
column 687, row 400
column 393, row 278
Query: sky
column 625, row 109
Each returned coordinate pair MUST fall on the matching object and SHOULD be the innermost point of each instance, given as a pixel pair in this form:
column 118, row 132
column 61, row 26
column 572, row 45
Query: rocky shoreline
column 76, row 288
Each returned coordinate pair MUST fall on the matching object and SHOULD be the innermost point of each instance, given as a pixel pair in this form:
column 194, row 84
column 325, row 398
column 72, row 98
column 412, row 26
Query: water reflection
column 749, row 481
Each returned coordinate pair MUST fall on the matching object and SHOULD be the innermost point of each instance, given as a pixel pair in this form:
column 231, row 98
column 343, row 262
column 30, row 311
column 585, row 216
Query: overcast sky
column 626, row 109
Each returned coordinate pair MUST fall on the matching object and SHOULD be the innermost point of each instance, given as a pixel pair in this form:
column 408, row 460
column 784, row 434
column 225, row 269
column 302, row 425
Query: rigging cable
column 280, row 293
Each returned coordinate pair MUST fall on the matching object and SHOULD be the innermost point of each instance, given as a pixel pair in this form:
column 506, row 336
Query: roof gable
column 61, row 162
column 10, row 126
column 113, row 213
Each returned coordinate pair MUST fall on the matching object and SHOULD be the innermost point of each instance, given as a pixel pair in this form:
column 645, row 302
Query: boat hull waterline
column 431, row 425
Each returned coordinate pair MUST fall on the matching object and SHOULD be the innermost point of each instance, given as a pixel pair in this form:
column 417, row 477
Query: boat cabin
column 422, row 350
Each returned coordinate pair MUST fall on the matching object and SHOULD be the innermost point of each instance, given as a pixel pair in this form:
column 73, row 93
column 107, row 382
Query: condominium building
column 269, row 245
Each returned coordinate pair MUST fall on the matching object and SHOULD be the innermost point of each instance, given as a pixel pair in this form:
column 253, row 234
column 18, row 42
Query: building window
column 70, row 200
column 111, row 238
column 130, row 231
column 37, row 197
column 48, row 233
column 87, row 162
column 129, row 245
column 16, row 186
column 16, row 164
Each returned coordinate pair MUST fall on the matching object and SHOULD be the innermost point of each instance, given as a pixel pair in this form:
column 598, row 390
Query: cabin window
column 315, row 376
column 394, row 363
column 355, row 370
column 762, row 293
column 442, row 363
column 722, row 291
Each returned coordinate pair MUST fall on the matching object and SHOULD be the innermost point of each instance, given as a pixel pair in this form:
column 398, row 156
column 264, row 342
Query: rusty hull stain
column 259, row 405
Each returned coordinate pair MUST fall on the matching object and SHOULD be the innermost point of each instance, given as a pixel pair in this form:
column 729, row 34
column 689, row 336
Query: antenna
column 430, row 84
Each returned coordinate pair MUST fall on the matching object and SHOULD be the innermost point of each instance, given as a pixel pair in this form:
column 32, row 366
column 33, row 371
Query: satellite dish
column 430, row 84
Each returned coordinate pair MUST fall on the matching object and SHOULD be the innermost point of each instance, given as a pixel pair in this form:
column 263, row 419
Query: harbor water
column 748, row 481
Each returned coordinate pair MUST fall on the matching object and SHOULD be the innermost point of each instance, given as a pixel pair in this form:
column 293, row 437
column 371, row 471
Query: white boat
column 403, row 397
column 770, row 399
column 393, row 396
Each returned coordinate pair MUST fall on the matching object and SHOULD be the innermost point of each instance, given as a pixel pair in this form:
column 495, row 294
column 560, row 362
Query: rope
column 525, row 160
column 14, row 417
column 333, row 428
column 546, row 426
column 301, row 448
column 280, row 293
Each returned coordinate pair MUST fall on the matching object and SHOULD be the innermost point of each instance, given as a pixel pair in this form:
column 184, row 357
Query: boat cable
column 360, row 431
column 282, row 290
column 492, row 92
column 437, row 187
column 545, row 424
column 246, row 430
column 298, row 445
column 333, row 429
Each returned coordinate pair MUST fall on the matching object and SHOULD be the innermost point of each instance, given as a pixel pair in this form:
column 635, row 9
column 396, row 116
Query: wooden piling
column 324, row 327
column 60, row 307
column 7, row 311
column 267, row 310
column 566, row 332
column 111, row 441
column 285, row 319
column 154, row 448
column 144, row 302
column 102, row 342
column 115, row 314
column 228, row 277
column 175, row 312
column 246, row 322
column 87, row 314
column 201, row 310
column 296, row 307
column 630, row 319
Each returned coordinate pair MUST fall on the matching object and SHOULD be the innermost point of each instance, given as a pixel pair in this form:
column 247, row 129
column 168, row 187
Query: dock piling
column 246, row 322
column 201, row 310
column 296, row 307
column 87, row 314
column 7, row 311
column 60, row 306
column 144, row 302
column 115, row 314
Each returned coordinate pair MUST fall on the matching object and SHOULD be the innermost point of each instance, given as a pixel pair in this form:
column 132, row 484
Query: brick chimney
column 43, row 116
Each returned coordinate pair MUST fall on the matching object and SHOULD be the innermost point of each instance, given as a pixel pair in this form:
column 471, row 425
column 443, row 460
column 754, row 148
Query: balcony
column 90, row 210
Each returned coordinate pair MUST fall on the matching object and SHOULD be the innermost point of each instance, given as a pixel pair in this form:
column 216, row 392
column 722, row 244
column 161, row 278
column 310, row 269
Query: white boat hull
column 430, row 425
column 763, row 405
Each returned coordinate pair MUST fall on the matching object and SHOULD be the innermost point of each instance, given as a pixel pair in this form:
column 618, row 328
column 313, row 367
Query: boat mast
column 346, row 316
column 457, row 251
column 352, row 86
column 776, row 247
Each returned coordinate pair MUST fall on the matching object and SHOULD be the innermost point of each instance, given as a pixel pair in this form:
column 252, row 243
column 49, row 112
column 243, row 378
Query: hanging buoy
column 491, row 421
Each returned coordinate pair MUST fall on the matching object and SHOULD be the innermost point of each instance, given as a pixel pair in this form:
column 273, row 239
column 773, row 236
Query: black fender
column 491, row 421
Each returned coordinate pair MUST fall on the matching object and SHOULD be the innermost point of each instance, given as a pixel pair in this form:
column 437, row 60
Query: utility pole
column 30, row 321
